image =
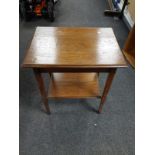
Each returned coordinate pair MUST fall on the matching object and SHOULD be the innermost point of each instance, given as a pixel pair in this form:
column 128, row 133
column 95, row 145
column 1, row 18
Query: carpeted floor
column 74, row 127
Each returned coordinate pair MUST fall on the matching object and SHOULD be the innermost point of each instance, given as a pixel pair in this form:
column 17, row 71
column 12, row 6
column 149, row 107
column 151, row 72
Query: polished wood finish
column 130, row 57
column 73, row 58
column 41, row 86
column 59, row 47
column 74, row 85
column 107, row 88
column 129, row 48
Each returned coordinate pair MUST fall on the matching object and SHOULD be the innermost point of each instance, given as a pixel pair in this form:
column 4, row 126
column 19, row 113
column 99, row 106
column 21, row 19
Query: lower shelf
column 74, row 85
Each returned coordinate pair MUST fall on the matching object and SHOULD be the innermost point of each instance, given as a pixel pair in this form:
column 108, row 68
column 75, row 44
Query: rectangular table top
column 62, row 46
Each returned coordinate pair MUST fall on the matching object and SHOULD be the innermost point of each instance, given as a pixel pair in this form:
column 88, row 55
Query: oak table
column 73, row 57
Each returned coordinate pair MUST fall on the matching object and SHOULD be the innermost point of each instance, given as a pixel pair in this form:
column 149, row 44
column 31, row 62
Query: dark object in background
column 30, row 8
column 116, row 12
column 115, row 4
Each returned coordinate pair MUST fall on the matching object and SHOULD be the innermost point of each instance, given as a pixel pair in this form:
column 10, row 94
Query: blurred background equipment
column 114, row 8
column 31, row 8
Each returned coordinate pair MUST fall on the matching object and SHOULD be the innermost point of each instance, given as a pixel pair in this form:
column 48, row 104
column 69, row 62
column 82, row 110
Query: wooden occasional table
column 73, row 57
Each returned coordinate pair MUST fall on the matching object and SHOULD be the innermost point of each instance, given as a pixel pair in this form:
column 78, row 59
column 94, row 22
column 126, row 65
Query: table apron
column 72, row 70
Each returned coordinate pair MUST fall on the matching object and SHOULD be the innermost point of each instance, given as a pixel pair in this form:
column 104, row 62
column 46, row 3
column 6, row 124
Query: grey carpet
column 74, row 127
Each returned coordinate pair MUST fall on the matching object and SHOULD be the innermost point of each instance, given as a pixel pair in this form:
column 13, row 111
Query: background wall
column 131, row 8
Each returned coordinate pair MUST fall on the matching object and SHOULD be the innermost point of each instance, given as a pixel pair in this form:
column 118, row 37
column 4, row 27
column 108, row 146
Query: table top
column 62, row 46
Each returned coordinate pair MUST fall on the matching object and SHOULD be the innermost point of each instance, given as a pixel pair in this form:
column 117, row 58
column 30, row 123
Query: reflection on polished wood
column 74, row 85
column 74, row 47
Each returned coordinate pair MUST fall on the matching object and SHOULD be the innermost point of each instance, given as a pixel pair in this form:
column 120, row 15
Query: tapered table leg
column 106, row 89
column 42, row 89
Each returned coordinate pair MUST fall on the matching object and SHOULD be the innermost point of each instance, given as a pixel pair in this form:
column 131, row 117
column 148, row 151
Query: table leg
column 41, row 86
column 106, row 88
column 50, row 74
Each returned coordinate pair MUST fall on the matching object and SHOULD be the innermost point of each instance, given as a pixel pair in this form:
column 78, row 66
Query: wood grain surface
column 74, row 85
column 60, row 46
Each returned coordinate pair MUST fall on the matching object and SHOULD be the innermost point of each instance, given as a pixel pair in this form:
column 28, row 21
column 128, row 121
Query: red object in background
column 43, row 3
column 39, row 8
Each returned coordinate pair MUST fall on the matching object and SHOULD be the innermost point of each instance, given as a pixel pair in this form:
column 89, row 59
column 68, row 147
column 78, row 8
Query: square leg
column 107, row 88
column 42, row 90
